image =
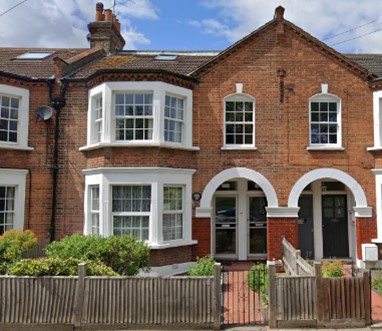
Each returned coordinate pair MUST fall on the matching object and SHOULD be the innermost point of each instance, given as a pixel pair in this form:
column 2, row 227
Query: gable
column 283, row 30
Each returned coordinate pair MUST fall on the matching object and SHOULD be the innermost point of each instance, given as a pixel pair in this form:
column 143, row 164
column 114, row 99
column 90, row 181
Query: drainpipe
column 57, row 103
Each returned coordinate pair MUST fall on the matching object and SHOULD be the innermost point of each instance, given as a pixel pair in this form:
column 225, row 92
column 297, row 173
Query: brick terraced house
column 195, row 152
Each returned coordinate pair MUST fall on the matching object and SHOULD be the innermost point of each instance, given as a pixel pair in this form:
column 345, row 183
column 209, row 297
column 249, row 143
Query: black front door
column 305, row 226
column 335, row 226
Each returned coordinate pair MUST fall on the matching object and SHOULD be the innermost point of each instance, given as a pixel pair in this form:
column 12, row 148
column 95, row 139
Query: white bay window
column 139, row 114
column 151, row 204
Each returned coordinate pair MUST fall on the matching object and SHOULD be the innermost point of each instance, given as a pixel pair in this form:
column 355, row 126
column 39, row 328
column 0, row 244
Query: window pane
column 136, row 109
column 323, row 113
column 239, row 116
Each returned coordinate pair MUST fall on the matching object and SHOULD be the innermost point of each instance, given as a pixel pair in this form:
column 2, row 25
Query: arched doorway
column 235, row 201
column 328, row 200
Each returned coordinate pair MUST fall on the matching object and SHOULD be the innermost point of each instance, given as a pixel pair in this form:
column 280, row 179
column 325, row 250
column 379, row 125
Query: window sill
column 137, row 144
column 240, row 148
column 15, row 147
column 325, row 148
column 172, row 244
column 374, row 149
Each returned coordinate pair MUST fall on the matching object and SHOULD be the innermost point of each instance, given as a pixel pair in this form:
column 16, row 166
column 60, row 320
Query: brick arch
column 343, row 177
column 205, row 204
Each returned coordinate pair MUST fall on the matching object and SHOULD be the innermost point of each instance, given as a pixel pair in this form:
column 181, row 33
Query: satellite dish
column 44, row 113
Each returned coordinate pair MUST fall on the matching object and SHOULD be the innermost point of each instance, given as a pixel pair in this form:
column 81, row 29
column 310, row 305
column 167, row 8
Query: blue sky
column 189, row 24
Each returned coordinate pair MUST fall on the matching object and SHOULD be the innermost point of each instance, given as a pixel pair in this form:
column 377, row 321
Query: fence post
column 366, row 289
column 319, row 300
column 272, row 298
column 79, row 296
column 217, row 296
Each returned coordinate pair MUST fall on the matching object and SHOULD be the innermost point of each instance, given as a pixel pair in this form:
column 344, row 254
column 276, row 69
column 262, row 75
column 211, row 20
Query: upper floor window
column 239, row 121
column 134, row 116
column 325, row 121
column 139, row 114
column 12, row 199
column 14, row 109
column 173, row 119
column 98, row 118
column 377, row 118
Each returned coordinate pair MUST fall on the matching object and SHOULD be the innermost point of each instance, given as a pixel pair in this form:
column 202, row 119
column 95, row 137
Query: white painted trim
column 157, row 178
column 16, row 178
column 205, row 208
column 377, row 116
column 324, row 148
column 240, row 97
column 238, row 147
column 287, row 212
column 363, row 212
column 378, row 195
column 322, row 173
column 159, row 91
column 138, row 144
column 327, row 97
column 23, row 121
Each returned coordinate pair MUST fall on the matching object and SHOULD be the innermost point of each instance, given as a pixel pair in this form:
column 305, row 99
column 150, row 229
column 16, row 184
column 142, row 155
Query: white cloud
column 320, row 18
column 63, row 23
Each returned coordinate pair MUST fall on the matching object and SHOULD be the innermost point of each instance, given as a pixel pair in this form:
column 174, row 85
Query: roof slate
column 34, row 69
column 184, row 63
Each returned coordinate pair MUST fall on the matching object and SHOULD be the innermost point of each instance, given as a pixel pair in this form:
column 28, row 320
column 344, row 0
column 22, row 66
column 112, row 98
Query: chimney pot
column 279, row 13
column 99, row 11
column 108, row 15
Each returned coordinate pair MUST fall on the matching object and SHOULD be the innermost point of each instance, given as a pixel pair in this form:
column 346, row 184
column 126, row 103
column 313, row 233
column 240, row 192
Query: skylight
column 34, row 55
column 166, row 57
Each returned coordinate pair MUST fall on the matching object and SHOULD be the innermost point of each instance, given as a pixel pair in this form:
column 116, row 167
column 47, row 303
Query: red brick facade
column 279, row 66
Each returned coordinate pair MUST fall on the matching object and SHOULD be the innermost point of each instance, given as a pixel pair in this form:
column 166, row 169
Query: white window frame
column 158, row 178
column 240, row 97
column 176, row 120
column 326, row 97
column 146, row 213
column 377, row 118
column 17, row 179
column 159, row 91
column 94, row 230
column 23, row 117
column 174, row 211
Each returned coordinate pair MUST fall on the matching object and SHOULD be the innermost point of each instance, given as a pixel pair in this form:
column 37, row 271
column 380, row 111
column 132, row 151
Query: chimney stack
column 105, row 31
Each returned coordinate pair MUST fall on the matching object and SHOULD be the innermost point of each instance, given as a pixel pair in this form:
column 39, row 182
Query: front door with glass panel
column 240, row 223
column 225, row 226
column 257, row 234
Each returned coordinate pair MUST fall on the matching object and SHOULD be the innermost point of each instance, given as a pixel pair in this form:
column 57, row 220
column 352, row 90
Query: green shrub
column 12, row 244
column 204, row 266
column 53, row 266
column 257, row 280
column 124, row 254
column 332, row 268
column 376, row 282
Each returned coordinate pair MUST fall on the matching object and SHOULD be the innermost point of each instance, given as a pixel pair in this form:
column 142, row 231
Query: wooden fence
column 90, row 303
column 303, row 298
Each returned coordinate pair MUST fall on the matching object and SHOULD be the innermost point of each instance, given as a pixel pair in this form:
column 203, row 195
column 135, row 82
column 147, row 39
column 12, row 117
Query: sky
column 190, row 24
